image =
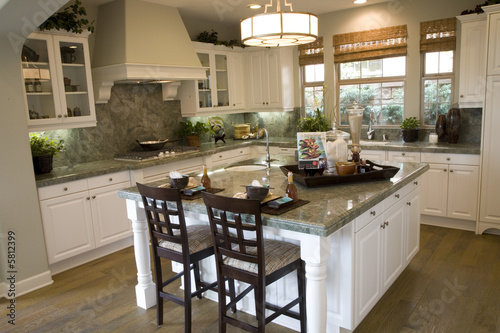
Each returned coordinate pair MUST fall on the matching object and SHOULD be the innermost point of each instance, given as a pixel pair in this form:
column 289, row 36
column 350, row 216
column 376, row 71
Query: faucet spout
column 268, row 155
column 370, row 129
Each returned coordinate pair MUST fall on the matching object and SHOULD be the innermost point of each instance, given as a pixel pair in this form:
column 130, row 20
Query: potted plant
column 409, row 129
column 317, row 123
column 69, row 19
column 43, row 150
column 192, row 132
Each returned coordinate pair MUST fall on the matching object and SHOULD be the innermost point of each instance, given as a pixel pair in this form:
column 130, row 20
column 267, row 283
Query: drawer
column 396, row 197
column 221, row 156
column 368, row 216
column 461, row 159
column 403, row 156
column 240, row 152
column 58, row 190
column 109, row 179
column 282, row 151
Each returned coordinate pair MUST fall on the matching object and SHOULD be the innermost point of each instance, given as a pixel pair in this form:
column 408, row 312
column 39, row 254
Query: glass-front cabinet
column 58, row 84
column 214, row 90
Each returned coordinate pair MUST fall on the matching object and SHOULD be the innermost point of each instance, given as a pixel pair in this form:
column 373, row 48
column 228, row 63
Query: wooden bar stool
column 176, row 242
column 243, row 254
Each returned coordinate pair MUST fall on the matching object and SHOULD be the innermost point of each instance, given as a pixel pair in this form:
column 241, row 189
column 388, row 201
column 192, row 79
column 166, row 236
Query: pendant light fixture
column 279, row 28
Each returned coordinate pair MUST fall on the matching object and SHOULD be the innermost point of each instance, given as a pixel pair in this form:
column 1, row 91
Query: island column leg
column 145, row 290
column 315, row 252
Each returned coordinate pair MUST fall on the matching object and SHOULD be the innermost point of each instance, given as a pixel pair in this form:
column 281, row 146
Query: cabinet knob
column 88, row 198
column 461, row 96
column 65, row 189
column 234, row 104
column 65, row 116
column 382, row 225
column 403, row 154
column 59, row 116
column 445, row 170
column 408, row 203
column 448, row 158
column 397, row 196
column 267, row 103
column 386, row 223
column 415, row 182
column 451, row 170
column 263, row 103
column 110, row 179
column 93, row 197
column 373, row 212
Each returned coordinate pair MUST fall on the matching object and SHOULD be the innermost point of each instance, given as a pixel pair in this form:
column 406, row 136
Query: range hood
column 137, row 41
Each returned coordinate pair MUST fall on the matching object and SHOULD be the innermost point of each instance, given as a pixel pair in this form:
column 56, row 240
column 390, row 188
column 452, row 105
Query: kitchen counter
column 85, row 170
column 319, row 227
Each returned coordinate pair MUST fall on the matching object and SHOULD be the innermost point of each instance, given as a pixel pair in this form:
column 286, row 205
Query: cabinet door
column 273, row 75
column 368, row 256
column 402, row 156
column 372, row 155
column 40, row 77
column 472, row 61
column 435, row 190
column 494, row 45
column 463, row 181
column 109, row 214
column 67, row 225
column 412, row 228
column 222, row 80
column 205, row 95
column 257, row 79
column 237, row 80
column 393, row 236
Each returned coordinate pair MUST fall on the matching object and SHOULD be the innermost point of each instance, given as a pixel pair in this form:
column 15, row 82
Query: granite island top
column 96, row 168
column 329, row 209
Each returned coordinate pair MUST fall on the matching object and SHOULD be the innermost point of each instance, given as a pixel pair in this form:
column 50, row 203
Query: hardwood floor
column 452, row 285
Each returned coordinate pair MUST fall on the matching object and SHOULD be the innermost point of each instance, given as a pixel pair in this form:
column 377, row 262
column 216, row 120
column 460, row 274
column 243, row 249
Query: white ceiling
column 232, row 11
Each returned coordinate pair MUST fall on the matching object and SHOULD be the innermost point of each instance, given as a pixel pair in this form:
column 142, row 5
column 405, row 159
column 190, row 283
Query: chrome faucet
column 370, row 129
column 268, row 156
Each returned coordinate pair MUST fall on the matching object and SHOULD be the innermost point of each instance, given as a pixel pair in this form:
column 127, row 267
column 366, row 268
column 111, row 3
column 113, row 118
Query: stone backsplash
column 137, row 112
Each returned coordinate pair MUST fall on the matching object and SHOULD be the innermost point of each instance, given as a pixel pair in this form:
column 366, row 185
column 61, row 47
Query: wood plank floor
column 452, row 285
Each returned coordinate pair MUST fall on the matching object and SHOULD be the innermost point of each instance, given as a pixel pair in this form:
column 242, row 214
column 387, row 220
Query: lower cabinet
column 383, row 247
column 403, row 156
column 451, row 190
column 81, row 215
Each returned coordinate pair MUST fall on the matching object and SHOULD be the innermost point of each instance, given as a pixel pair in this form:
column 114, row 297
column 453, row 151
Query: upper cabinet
column 494, row 45
column 270, row 78
column 472, row 60
column 221, row 91
column 58, row 83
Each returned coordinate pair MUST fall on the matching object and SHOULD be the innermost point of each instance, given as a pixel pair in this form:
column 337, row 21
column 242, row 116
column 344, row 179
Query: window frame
column 305, row 85
column 382, row 79
column 434, row 76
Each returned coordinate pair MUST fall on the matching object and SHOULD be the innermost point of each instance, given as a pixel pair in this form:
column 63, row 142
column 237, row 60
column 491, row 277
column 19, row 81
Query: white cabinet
column 222, row 91
column 386, row 238
column 159, row 172
column 81, row 215
column 58, row 82
column 494, row 44
column 372, row 155
column 472, row 60
column 270, row 79
column 228, row 156
column 451, row 185
column 403, row 156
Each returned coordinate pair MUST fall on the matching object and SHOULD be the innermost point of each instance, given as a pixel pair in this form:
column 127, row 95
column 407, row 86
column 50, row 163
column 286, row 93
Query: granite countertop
column 329, row 209
column 85, row 170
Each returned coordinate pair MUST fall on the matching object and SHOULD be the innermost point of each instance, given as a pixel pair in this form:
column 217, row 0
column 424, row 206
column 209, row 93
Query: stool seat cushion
column 199, row 239
column 277, row 255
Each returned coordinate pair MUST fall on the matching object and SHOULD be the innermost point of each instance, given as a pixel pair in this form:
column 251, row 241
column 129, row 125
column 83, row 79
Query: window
column 371, row 68
column 376, row 85
column 437, row 85
column 437, row 45
column 313, row 78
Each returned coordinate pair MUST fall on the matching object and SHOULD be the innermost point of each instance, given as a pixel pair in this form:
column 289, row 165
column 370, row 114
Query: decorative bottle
column 37, row 86
column 205, row 180
column 291, row 189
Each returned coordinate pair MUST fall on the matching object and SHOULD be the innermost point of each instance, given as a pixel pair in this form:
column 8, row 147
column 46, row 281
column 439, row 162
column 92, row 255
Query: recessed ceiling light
column 254, row 6
column 359, row 1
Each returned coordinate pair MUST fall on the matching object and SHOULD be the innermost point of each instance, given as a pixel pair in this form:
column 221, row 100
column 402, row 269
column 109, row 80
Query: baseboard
column 27, row 285
column 446, row 222
column 94, row 254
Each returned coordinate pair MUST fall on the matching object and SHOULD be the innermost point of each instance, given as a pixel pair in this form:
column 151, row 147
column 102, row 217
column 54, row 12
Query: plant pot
column 193, row 140
column 409, row 135
column 42, row 164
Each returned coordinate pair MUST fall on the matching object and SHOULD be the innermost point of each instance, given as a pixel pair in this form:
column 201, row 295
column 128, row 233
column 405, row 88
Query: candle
column 433, row 138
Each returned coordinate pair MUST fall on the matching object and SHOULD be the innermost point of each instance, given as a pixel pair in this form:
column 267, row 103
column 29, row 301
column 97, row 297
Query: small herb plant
column 189, row 129
column 213, row 38
column 317, row 123
column 410, row 123
column 42, row 145
column 69, row 19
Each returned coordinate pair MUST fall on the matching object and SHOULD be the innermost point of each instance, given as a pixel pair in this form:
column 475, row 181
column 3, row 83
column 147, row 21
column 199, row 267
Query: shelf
column 72, row 65
column 42, row 93
column 76, row 93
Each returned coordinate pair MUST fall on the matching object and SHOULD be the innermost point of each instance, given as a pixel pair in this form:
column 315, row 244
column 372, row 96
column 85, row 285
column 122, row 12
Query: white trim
column 28, row 285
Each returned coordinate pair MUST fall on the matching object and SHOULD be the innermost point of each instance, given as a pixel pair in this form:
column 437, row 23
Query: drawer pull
column 397, row 196
column 403, row 154
column 373, row 213
column 65, row 189
column 408, row 203
column 451, row 170
column 445, row 170
column 415, row 182
column 88, row 198
column 448, row 158
column 110, row 179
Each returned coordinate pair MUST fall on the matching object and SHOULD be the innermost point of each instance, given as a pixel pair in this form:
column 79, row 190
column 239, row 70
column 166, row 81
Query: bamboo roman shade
column 370, row 44
column 312, row 53
column 438, row 35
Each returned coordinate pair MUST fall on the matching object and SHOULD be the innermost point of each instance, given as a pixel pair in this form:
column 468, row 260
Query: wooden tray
column 378, row 172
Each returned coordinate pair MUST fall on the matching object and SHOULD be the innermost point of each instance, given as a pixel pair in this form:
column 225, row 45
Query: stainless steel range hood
column 137, row 41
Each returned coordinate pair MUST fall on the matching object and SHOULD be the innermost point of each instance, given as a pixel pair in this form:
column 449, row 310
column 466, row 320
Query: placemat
column 273, row 211
column 197, row 195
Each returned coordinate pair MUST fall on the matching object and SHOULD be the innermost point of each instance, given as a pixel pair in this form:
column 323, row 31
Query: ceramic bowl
column 345, row 168
column 179, row 183
column 257, row 192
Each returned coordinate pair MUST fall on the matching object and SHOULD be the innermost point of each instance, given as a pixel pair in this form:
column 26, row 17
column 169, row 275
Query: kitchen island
column 355, row 239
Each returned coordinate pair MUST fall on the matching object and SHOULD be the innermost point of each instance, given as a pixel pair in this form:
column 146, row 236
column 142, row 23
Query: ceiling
column 233, row 11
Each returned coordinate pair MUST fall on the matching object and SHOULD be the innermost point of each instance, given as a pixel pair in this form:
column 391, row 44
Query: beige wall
column 388, row 14
column 19, row 209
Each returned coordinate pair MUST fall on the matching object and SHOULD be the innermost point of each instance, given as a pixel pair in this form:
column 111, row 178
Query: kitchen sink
column 246, row 168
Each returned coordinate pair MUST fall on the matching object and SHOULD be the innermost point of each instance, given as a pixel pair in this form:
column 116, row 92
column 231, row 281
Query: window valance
column 312, row 53
column 438, row 35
